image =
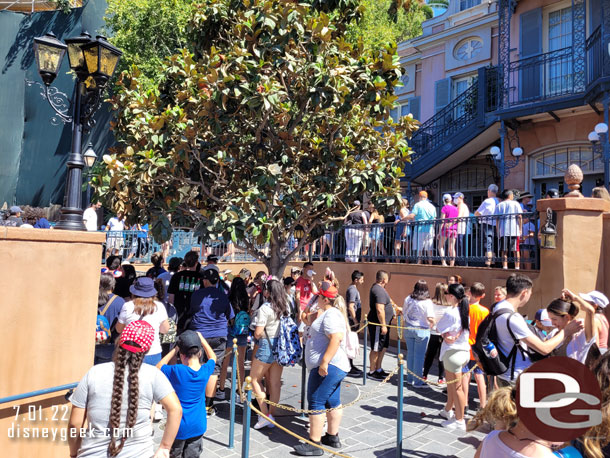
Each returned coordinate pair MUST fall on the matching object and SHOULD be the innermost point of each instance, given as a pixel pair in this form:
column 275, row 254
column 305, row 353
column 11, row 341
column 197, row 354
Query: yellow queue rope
column 270, row 420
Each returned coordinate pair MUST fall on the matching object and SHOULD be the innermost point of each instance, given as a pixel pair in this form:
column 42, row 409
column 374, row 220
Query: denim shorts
column 324, row 392
column 242, row 340
column 469, row 366
column 265, row 353
column 153, row 360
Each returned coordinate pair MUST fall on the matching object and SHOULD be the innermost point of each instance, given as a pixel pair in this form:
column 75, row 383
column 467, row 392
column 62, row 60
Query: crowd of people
column 184, row 319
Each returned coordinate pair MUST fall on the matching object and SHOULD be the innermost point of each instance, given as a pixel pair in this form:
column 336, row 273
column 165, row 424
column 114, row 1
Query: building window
column 467, row 49
column 555, row 162
column 559, row 36
column 465, row 4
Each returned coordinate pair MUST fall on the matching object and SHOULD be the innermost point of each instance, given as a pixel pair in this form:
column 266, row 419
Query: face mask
column 293, row 290
column 310, row 273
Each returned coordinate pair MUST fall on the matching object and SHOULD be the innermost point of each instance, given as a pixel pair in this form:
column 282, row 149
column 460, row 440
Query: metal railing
column 541, row 77
column 449, row 120
column 595, row 58
column 468, row 241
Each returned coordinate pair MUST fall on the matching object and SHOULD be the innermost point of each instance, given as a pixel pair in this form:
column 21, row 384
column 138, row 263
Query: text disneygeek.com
column 17, row 431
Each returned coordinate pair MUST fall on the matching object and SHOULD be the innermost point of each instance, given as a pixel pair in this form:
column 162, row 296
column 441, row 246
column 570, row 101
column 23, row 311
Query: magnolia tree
column 276, row 123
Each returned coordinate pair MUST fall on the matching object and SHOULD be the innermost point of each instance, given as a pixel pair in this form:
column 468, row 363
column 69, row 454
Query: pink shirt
column 450, row 212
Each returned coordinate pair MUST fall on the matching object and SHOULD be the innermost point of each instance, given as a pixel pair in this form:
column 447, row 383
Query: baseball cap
column 446, row 197
column 328, row 290
column 289, row 281
column 552, row 193
column 211, row 267
column 212, row 258
column 15, row 209
column 245, row 273
column 356, row 203
column 543, row 316
column 211, row 275
column 187, row 340
column 597, row 298
column 423, row 194
column 457, row 195
column 140, row 334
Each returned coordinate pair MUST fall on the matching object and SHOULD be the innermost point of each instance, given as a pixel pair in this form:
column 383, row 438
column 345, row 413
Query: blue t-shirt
column 211, row 312
column 190, row 389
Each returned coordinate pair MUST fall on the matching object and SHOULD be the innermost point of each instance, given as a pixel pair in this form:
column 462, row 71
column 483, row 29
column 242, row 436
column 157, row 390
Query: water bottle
column 489, row 348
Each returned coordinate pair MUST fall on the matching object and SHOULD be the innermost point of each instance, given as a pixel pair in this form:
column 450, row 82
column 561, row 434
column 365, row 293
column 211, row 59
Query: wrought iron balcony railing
column 449, row 120
column 595, row 57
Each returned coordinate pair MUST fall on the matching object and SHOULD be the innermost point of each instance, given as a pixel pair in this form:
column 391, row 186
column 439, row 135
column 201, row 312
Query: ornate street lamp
column 601, row 144
column 299, row 232
column 89, row 156
column 548, row 233
column 88, row 58
column 497, row 156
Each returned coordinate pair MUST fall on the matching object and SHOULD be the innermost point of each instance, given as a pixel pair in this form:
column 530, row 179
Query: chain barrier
column 342, row 406
column 270, row 420
column 400, row 328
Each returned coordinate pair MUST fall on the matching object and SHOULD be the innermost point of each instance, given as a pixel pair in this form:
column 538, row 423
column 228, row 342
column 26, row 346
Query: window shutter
column 595, row 7
column 442, row 93
column 405, row 108
column 414, row 107
column 530, row 37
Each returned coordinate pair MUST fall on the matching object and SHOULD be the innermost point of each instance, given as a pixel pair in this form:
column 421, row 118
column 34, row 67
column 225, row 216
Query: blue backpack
column 287, row 350
column 242, row 323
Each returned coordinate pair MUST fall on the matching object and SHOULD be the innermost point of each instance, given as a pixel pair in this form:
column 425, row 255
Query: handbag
column 352, row 345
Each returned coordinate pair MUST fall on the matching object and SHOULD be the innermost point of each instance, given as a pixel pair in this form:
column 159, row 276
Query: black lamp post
column 94, row 62
column 497, row 155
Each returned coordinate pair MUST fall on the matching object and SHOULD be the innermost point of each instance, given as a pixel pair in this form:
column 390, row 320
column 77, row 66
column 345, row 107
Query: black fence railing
column 541, row 77
column 502, row 240
column 497, row 241
column 449, row 120
column 595, row 58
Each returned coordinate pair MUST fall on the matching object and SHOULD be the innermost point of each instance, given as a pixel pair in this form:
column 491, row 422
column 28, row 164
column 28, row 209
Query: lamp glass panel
column 49, row 58
column 108, row 62
column 91, row 57
column 75, row 55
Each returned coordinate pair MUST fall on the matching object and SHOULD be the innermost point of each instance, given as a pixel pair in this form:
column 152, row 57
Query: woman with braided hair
column 115, row 399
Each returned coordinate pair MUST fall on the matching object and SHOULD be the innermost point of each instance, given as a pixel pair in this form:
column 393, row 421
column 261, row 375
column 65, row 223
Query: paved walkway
column 368, row 429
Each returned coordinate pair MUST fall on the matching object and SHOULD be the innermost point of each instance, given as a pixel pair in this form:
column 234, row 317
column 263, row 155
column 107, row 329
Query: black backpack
column 486, row 333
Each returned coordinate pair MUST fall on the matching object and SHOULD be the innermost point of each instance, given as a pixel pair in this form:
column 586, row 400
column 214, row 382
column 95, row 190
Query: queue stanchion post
column 233, row 394
column 245, row 437
column 303, row 386
column 398, row 333
column 366, row 323
column 401, row 379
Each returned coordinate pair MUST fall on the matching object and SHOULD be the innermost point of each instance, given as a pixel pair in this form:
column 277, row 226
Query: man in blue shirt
column 189, row 380
column 211, row 312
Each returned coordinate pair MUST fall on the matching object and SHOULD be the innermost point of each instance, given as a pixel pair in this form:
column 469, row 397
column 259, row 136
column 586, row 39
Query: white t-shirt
column 506, row 342
column 488, row 208
column 493, row 447
column 439, row 312
column 115, row 224
column 508, row 226
column 330, row 322
column 155, row 319
column 266, row 317
column 417, row 312
column 90, row 219
column 452, row 323
column 578, row 347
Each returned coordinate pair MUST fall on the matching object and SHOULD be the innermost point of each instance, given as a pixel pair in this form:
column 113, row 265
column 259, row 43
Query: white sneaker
column 220, row 395
column 262, row 422
column 454, row 423
column 448, row 415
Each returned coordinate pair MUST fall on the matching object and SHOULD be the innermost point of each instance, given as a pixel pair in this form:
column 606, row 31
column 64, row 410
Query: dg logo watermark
column 558, row 399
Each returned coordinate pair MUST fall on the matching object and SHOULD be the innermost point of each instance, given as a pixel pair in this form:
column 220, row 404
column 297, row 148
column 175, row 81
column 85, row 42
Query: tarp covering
column 33, row 150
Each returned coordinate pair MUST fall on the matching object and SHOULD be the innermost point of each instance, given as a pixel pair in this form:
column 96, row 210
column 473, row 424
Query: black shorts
column 378, row 340
column 508, row 243
column 219, row 345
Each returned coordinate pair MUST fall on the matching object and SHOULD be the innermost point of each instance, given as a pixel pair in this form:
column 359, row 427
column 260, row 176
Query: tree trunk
column 275, row 262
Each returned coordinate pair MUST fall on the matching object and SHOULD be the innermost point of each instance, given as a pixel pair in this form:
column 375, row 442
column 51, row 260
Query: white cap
column 447, row 197
column 596, row 298
column 542, row 315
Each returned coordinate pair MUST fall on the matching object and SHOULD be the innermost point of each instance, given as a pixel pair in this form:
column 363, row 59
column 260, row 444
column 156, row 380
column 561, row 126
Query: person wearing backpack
column 328, row 365
column 238, row 329
column 266, row 323
column 514, row 341
column 109, row 307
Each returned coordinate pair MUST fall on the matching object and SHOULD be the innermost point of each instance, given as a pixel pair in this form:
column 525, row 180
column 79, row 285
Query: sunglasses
column 116, row 273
